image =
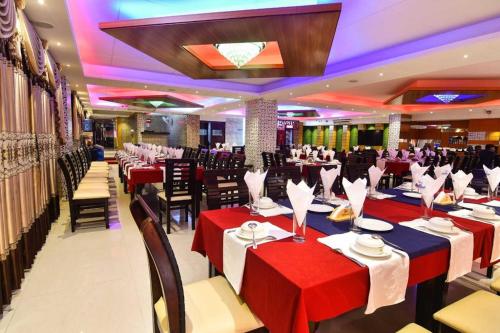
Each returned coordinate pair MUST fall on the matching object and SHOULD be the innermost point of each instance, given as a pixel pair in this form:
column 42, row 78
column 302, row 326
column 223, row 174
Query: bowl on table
column 470, row 191
column 440, row 224
column 265, row 203
column 484, row 212
column 370, row 246
column 246, row 231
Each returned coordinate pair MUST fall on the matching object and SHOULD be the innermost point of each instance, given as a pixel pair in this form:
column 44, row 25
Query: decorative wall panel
column 394, row 129
column 193, row 130
column 260, row 129
column 235, row 131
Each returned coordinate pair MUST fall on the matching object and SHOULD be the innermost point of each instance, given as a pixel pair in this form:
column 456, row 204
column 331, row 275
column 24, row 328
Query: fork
column 271, row 238
column 338, row 250
column 432, row 232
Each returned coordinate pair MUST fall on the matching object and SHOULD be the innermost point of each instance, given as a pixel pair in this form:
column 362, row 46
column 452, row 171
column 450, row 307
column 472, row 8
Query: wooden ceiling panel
column 304, row 35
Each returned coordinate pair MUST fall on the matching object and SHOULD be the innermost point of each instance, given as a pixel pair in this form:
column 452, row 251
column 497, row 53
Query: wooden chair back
column 68, row 176
column 225, row 187
column 223, row 160
column 280, row 159
column 180, row 177
column 277, row 178
column 314, row 177
column 194, row 153
column 268, row 160
column 165, row 276
column 357, row 170
column 186, row 153
column 211, row 160
column 202, row 157
column 237, row 161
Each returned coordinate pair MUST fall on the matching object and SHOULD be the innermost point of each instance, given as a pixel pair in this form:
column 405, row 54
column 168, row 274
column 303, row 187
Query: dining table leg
column 125, row 185
column 430, row 299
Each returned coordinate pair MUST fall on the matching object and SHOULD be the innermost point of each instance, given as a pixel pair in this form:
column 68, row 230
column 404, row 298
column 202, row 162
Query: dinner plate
column 414, row 195
column 320, row 208
column 490, row 218
column 453, row 231
column 242, row 236
column 273, row 205
column 470, row 205
column 375, row 225
column 386, row 252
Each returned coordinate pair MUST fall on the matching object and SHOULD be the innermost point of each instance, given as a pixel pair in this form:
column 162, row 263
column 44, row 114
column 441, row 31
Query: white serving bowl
column 439, row 223
column 470, row 191
column 260, row 230
column 366, row 243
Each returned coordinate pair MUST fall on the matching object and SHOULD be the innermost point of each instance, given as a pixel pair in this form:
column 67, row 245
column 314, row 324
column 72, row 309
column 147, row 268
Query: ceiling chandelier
column 239, row 54
column 446, row 98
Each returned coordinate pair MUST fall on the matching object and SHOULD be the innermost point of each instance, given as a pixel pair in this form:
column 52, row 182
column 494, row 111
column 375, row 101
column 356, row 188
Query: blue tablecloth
column 415, row 243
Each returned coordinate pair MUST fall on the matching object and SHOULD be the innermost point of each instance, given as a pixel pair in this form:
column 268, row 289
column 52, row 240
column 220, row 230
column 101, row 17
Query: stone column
column 260, row 129
column 394, row 129
column 235, row 131
column 192, row 130
column 140, row 119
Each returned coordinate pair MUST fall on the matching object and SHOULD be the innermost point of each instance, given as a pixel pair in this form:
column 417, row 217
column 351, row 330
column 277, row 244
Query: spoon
column 252, row 226
column 376, row 236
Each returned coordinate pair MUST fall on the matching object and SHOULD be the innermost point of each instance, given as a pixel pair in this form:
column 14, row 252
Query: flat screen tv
column 371, row 137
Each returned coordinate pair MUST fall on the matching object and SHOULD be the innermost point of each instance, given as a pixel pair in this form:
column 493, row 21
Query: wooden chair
column 194, row 153
column 209, row 305
column 280, row 159
column 237, row 161
column 223, row 160
column 277, row 178
column 186, row 152
column 202, row 157
column 179, row 189
column 225, row 188
column 82, row 199
column 211, row 160
column 238, row 149
column 357, row 170
column 268, row 160
column 313, row 177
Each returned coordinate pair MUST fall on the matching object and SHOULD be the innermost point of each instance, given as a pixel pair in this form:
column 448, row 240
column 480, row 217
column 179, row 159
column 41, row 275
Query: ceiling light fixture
column 146, row 87
column 446, row 98
column 239, row 54
column 380, row 74
column 466, row 56
column 41, row 2
column 290, row 93
column 68, row 65
column 327, row 85
column 58, row 43
column 470, row 110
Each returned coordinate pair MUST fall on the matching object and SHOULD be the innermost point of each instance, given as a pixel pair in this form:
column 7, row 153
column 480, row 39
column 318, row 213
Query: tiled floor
column 97, row 280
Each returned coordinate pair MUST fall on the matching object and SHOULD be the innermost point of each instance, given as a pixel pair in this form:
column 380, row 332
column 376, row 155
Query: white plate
column 273, row 205
column 375, row 225
column 453, row 231
column 319, row 208
column 470, row 205
column 491, row 218
column 414, row 195
column 386, row 252
column 239, row 235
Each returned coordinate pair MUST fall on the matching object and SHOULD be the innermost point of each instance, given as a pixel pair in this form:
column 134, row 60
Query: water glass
column 354, row 221
column 426, row 211
column 492, row 193
column 254, row 205
column 299, row 230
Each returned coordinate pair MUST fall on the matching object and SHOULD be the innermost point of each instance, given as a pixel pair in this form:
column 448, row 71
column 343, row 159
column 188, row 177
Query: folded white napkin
column 392, row 153
column 495, row 250
column 460, row 181
column 381, row 163
column 179, row 152
column 405, row 154
column 355, row 148
column 444, row 170
column 388, row 277
column 461, row 248
column 234, row 250
column 493, row 176
column 356, row 193
column 279, row 210
column 380, row 153
column 315, row 154
column 217, row 145
column 301, row 196
column 330, row 153
column 406, row 186
column 327, row 179
column 255, row 182
column 444, row 152
column 417, row 172
column 292, row 152
column 375, row 174
column 430, row 187
column 308, row 151
column 320, row 148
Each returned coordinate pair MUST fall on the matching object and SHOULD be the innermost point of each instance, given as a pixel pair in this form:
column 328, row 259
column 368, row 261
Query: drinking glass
column 426, row 211
column 254, row 205
column 457, row 198
column 299, row 230
column 492, row 193
column 353, row 220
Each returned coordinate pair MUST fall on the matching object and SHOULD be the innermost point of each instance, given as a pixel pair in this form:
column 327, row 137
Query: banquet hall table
column 288, row 284
column 398, row 168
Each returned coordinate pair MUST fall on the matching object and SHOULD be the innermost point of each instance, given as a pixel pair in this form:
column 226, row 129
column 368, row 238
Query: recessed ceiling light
column 374, row 111
column 431, row 112
column 58, row 43
column 146, row 86
column 327, row 85
column 76, row 85
column 470, row 110
column 380, row 74
column 41, row 2
column 466, row 56
column 290, row 93
column 68, row 65
column 197, row 92
column 392, row 112
column 352, row 109
column 239, row 96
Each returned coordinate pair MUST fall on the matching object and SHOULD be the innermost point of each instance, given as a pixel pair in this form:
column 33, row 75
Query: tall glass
column 458, row 197
column 299, row 229
column 426, row 210
column 492, row 193
column 254, row 205
column 354, row 220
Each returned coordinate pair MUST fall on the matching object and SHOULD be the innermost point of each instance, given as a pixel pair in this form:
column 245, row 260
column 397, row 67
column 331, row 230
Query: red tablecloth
column 397, row 167
column 287, row 284
column 154, row 175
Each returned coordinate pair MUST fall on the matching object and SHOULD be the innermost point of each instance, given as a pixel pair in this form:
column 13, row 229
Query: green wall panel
column 353, row 138
column 386, row 136
column 326, row 137
column 338, row 143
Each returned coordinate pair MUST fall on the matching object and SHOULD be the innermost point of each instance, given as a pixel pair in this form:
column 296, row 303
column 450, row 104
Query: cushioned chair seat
column 495, row 285
column 102, row 180
column 413, row 328
column 90, row 194
column 97, row 174
column 224, row 185
column 476, row 313
column 99, row 163
column 93, row 186
column 161, row 195
column 211, row 307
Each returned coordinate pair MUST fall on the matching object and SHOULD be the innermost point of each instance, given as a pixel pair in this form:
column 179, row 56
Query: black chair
column 202, row 157
column 277, row 178
column 357, row 170
column 170, row 311
column 211, row 160
column 314, row 177
column 237, row 161
column 223, row 160
column 238, row 149
column 194, row 153
column 186, row 153
column 268, row 160
column 226, row 187
column 179, row 189
column 280, row 159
